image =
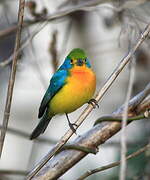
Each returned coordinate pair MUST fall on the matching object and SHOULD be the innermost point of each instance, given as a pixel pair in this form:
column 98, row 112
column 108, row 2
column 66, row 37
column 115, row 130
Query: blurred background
column 106, row 32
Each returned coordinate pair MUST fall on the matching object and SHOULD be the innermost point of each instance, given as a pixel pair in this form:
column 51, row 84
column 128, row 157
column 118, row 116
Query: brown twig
column 13, row 172
column 59, row 14
column 103, row 168
column 12, row 75
column 23, row 45
column 96, row 136
column 32, row 6
column 53, row 50
column 89, row 108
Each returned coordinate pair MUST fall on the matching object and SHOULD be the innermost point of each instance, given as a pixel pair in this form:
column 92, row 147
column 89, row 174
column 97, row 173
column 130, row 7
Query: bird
column 71, row 86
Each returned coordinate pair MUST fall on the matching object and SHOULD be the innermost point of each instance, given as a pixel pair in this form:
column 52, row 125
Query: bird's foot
column 94, row 103
column 72, row 127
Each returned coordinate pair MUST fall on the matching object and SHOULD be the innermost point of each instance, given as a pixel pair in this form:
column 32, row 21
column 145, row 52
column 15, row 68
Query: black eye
column 85, row 60
column 71, row 60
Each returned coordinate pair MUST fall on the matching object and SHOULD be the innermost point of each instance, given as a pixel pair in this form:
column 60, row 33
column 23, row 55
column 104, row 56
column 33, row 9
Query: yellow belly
column 78, row 90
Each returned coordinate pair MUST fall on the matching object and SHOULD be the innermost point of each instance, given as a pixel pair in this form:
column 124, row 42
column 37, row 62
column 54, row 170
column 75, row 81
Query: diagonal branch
column 93, row 171
column 96, row 136
column 89, row 108
column 24, row 44
column 12, row 75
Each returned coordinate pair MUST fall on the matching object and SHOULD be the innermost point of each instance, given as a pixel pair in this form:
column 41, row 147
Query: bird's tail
column 40, row 128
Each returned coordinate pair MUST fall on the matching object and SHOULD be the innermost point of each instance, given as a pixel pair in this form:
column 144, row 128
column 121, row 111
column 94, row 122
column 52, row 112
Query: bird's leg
column 71, row 125
column 94, row 103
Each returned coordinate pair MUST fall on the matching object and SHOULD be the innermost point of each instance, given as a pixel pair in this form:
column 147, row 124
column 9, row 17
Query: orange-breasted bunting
column 71, row 86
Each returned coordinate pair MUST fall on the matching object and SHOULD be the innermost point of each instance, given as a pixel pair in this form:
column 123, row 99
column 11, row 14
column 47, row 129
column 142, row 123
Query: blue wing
column 56, row 83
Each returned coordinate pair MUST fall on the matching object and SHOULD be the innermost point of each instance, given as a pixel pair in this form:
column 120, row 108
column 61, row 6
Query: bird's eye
column 71, row 61
column 85, row 60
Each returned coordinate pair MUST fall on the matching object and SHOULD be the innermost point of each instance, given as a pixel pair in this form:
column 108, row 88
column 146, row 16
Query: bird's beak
column 79, row 62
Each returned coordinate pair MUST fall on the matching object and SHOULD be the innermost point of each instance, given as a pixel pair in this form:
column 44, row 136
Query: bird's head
column 76, row 58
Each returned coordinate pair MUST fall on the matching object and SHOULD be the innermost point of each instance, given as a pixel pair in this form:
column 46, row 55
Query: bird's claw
column 94, row 103
column 71, row 125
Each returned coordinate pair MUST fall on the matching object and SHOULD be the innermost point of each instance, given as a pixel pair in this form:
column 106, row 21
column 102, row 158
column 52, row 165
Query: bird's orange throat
column 83, row 75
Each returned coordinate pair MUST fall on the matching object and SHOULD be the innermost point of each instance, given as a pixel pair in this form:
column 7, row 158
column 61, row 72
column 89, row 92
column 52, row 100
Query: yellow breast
column 78, row 90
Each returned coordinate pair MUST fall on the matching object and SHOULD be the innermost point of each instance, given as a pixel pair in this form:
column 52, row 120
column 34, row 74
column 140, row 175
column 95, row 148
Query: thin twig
column 88, row 6
column 35, row 62
column 12, row 75
column 13, row 172
column 57, row 15
column 89, row 108
column 103, row 168
column 53, row 50
column 124, row 121
column 25, row 135
column 111, row 118
column 24, row 44
column 49, row 141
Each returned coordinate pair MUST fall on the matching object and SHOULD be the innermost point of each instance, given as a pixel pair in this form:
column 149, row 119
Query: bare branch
column 24, row 44
column 124, row 121
column 12, row 75
column 25, row 135
column 13, row 172
column 88, row 6
column 89, row 108
column 93, row 171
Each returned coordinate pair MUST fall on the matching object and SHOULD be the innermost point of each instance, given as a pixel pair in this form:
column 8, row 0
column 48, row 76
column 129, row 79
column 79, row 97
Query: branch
column 13, row 172
column 89, row 108
column 90, row 5
column 25, row 135
column 118, row 118
column 57, row 15
column 96, row 136
column 12, row 75
column 23, row 45
column 123, row 166
column 93, row 171
column 49, row 141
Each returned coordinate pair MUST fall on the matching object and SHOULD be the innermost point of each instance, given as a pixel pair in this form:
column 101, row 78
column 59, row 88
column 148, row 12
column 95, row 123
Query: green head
column 76, row 57
column 77, row 54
